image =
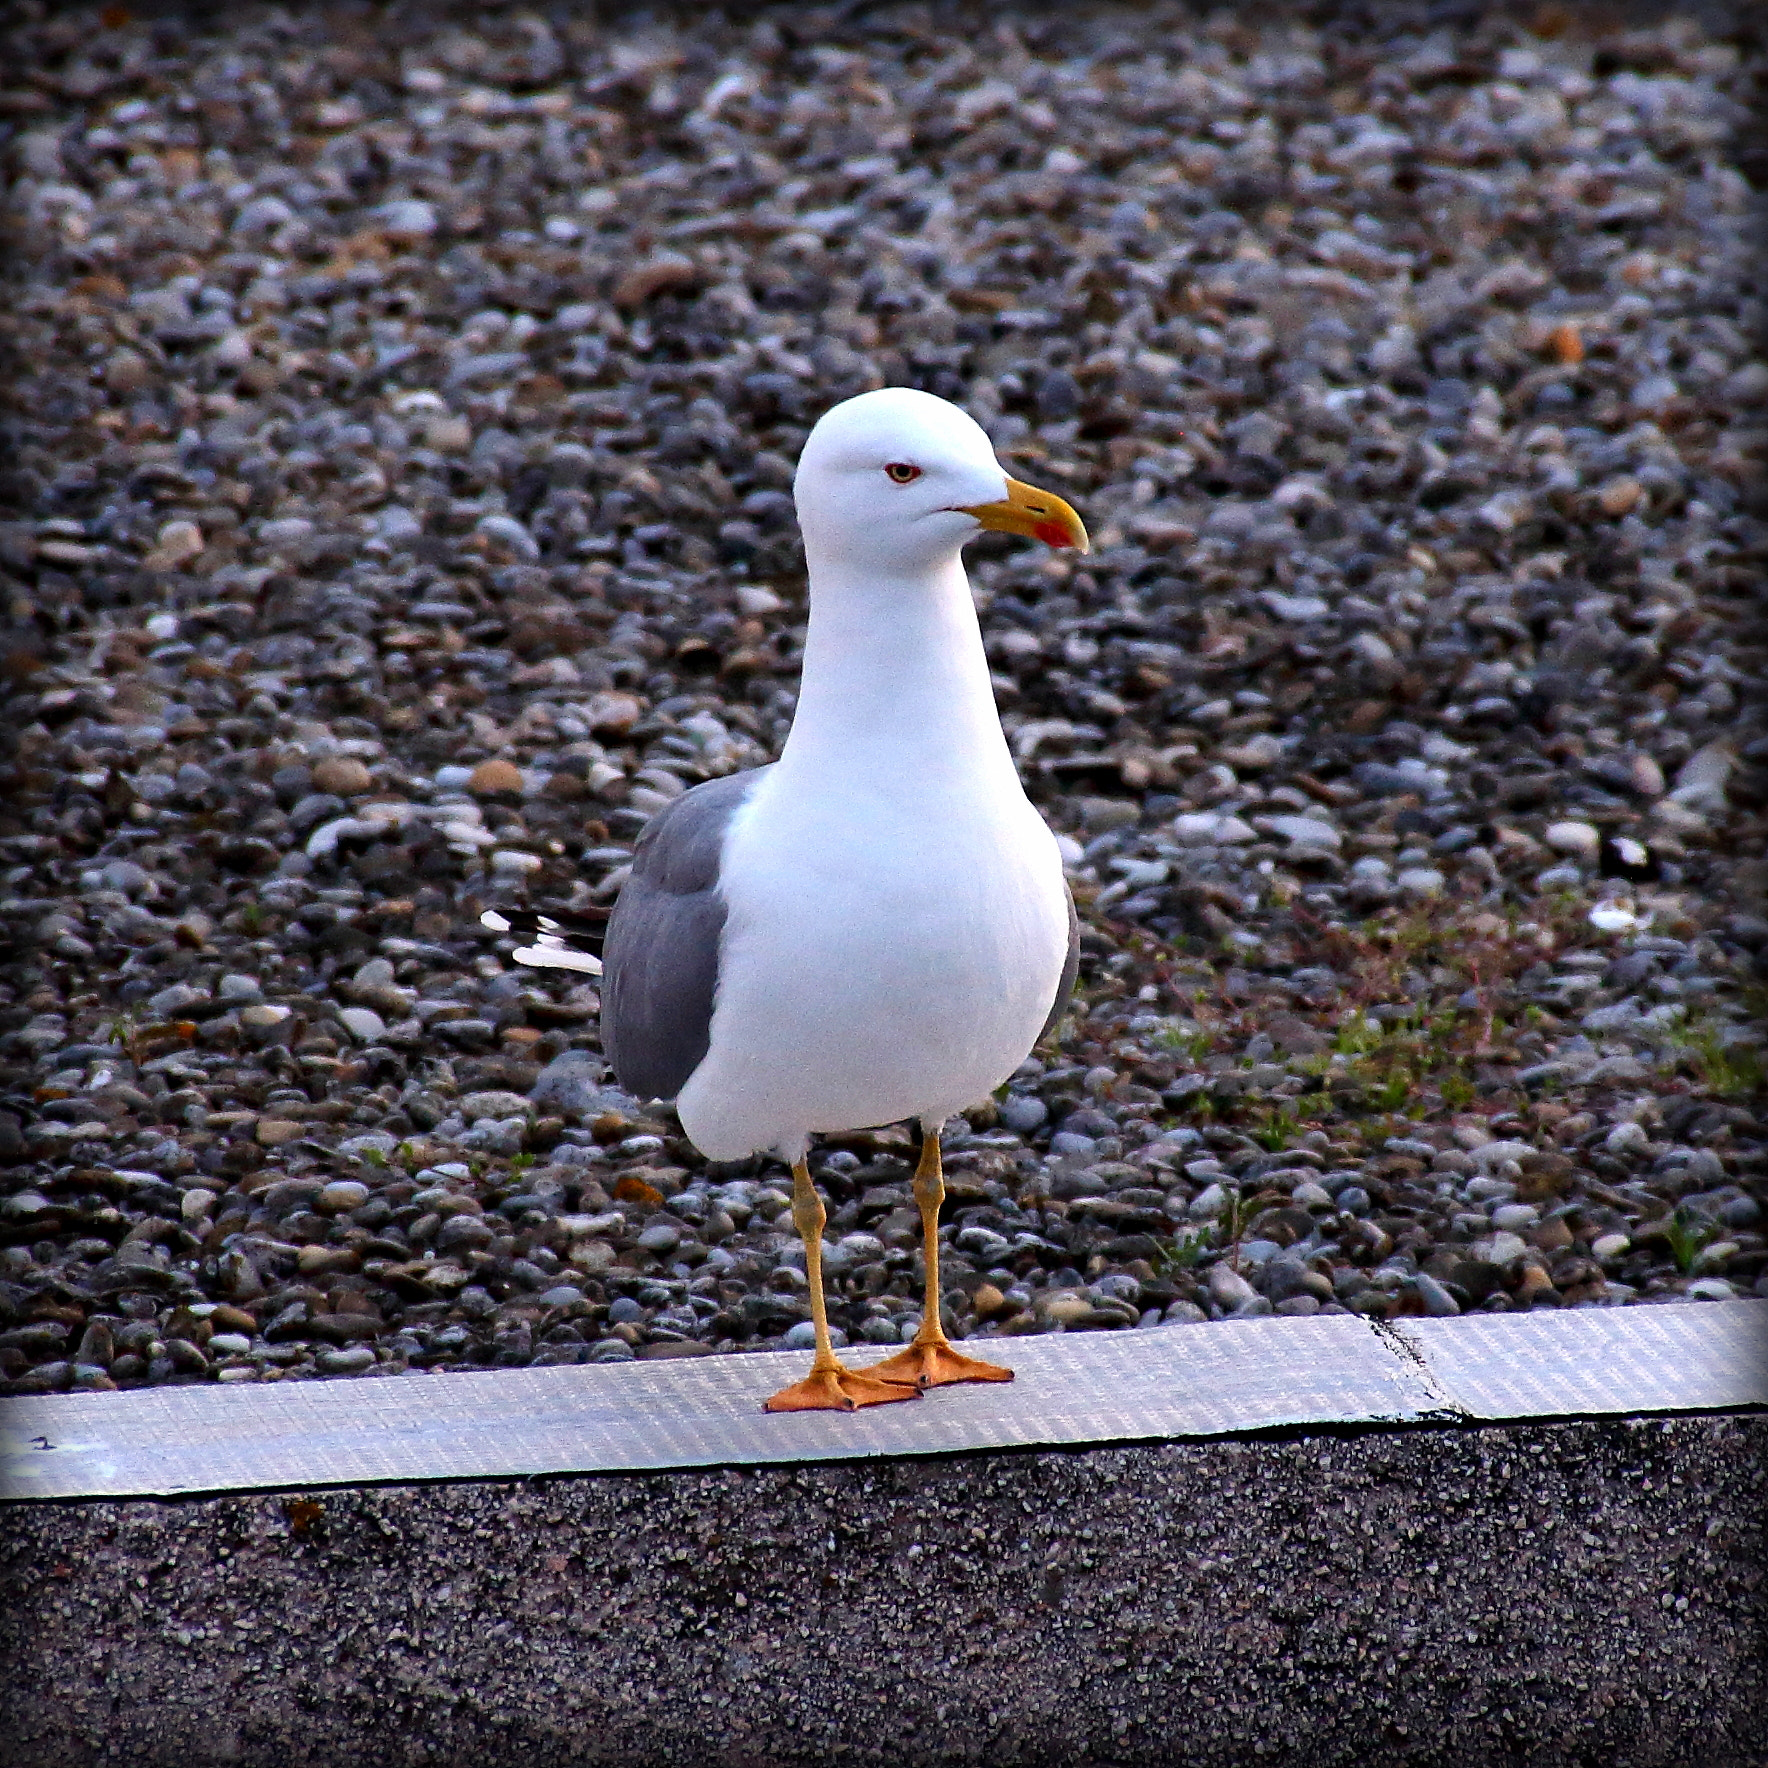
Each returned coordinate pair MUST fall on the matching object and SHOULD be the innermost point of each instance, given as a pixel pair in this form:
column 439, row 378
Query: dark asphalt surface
column 1580, row 1593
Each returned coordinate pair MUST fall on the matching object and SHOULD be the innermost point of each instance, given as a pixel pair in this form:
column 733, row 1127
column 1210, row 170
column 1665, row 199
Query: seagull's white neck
column 895, row 687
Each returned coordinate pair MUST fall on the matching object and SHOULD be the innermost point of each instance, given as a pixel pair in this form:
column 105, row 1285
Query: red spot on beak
column 1053, row 534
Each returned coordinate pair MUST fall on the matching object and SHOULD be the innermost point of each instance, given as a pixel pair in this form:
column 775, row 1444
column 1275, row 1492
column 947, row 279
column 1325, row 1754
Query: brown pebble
column 612, row 714
column 1068, row 1306
column 126, row 371
column 1619, row 496
column 655, row 276
column 987, row 1301
column 273, row 1132
column 1565, row 343
column 1533, row 1281
column 494, row 776
column 342, row 774
column 1552, row 1235
column 1545, row 1175
column 259, row 376
column 317, row 1260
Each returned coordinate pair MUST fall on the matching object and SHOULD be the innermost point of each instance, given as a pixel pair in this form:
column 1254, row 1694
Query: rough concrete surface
column 1579, row 1593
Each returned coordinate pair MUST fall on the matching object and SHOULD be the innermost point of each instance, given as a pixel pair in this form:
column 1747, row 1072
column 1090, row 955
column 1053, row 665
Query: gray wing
column 1070, row 969
column 660, row 958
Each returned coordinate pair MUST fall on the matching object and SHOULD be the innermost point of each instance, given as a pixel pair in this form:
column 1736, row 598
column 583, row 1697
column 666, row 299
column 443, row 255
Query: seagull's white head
column 894, row 482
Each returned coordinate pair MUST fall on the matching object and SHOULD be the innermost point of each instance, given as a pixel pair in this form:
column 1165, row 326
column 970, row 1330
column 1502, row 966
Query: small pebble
column 490, row 778
column 1228, row 1289
column 1515, row 1217
column 1438, row 1302
column 345, row 1362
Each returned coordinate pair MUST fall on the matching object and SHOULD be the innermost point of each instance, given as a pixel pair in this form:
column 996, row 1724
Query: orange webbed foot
column 841, row 1390
column 937, row 1365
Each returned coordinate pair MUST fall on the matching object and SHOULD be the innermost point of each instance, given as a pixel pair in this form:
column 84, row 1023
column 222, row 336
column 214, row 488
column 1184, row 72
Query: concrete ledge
column 1586, row 1593
column 1072, row 1389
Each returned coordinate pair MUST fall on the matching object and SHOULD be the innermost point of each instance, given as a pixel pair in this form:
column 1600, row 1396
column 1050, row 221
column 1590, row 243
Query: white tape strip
column 1071, row 1389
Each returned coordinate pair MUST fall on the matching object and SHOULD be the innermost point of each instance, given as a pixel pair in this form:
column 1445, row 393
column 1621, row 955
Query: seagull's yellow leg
column 830, row 1386
column 930, row 1360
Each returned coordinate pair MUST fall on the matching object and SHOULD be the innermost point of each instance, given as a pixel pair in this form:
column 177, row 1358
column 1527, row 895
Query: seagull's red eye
column 901, row 473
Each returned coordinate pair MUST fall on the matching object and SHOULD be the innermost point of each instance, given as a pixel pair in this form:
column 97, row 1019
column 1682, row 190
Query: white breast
column 891, row 952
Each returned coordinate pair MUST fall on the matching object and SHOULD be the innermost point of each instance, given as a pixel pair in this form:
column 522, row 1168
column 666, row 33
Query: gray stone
column 1420, row 881
column 1023, row 1114
column 1227, row 1288
column 408, row 219
column 1284, row 1278
column 1306, row 831
column 1207, row 1204
column 351, row 1361
column 370, row 1142
column 572, row 1083
column 176, row 1001
column 363, row 1024
column 495, row 1103
column 463, row 1233
column 1711, row 1289
column 1438, row 1302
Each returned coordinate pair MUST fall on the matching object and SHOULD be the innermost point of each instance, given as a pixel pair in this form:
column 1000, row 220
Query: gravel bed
column 402, row 430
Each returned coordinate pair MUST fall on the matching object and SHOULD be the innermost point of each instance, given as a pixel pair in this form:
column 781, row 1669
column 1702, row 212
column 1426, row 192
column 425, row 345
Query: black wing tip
column 551, row 947
column 570, row 932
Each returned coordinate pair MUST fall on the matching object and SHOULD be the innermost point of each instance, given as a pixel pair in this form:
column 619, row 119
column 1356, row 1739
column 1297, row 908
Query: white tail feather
column 552, row 955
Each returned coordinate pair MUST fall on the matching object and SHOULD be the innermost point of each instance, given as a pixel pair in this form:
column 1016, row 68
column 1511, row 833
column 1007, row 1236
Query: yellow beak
column 1040, row 515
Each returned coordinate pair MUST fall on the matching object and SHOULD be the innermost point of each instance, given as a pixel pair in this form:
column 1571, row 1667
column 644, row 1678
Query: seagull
column 877, row 927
